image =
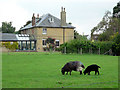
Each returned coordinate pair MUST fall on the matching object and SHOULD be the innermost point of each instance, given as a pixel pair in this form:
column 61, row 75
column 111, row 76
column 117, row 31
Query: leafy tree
column 28, row 22
column 75, row 34
column 17, row 32
column 116, row 9
column 79, row 37
column 102, row 25
column 7, row 27
column 51, row 43
column 109, row 25
column 104, row 36
column 116, row 45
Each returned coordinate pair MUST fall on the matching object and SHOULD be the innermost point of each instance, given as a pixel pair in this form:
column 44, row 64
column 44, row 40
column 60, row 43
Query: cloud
column 68, row 0
column 11, row 12
column 84, row 14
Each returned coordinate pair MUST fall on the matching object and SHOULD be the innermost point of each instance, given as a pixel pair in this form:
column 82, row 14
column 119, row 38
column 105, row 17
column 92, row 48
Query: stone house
column 49, row 26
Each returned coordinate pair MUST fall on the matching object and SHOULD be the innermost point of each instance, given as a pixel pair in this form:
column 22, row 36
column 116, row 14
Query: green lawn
column 43, row 70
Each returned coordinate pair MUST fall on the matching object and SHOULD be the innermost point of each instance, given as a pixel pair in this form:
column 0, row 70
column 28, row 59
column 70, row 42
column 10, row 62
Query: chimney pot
column 33, row 14
column 64, row 9
column 33, row 19
column 37, row 15
column 61, row 8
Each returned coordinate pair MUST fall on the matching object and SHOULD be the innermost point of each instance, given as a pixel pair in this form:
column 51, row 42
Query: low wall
column 4, row 49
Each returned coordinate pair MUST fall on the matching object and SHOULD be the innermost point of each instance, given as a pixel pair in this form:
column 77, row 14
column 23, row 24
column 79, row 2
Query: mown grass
column 43, row 70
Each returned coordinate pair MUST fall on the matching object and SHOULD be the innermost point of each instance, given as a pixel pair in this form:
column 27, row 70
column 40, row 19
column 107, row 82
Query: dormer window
column 51, row 19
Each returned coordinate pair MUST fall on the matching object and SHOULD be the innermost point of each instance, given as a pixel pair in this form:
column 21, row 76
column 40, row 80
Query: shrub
column 10, row 45
column 116, row 45
column 87, row 46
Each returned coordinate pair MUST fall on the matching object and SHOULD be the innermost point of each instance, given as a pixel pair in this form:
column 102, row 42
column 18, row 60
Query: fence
column 81, row 51
column 81, row 47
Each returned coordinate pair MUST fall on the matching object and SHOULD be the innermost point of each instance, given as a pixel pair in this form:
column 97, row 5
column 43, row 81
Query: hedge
column 74, row 46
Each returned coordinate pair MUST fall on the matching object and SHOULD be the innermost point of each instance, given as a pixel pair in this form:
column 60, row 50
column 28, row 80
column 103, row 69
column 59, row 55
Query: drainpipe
column 63, row 35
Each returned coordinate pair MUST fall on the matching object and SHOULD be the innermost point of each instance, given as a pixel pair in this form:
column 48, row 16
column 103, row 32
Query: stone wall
column 63, row 35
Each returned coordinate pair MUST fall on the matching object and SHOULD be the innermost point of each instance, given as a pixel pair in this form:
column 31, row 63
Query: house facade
column 49, row 26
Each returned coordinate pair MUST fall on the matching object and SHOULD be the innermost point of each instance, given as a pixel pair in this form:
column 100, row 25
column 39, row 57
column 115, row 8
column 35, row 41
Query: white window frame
column 57, row 41
column 51, row 19
column 44, row 31
column 44, row 45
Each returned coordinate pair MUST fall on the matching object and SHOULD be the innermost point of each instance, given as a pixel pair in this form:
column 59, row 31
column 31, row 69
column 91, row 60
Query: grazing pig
column 90, row 68
column 73, row 65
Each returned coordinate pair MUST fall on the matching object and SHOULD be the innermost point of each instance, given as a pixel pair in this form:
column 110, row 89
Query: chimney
column 33, row 19
column 37, row 15
column 63, row 17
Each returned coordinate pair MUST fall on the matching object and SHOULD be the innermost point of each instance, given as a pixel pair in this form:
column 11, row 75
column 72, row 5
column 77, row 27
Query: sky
column 83, row 14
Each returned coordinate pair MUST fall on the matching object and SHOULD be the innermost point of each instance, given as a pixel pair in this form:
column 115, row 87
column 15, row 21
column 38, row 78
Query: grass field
column 43, row 70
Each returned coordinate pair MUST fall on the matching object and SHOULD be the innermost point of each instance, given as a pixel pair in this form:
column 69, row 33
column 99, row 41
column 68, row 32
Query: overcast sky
column 83, row 14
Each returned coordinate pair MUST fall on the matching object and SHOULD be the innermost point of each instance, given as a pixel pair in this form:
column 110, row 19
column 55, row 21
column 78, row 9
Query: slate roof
column 43, row 21
column 15, row 37
column 7, row 36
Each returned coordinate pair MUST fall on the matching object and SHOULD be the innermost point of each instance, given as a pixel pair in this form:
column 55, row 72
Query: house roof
column 44, row 21
column 7, row 36
column 15, row 37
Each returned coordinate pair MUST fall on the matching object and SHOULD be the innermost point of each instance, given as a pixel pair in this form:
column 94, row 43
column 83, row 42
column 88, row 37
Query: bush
column 87, row 46
column 116, row 45
column 10, row 45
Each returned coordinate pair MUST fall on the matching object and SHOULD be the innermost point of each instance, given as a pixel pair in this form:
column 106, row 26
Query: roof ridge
column 43, row 22
column 43, row 18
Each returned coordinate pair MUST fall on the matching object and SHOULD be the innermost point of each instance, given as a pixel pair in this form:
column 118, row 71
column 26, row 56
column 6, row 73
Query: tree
column 103, row 25
column 7, row 27
column 17, row 32
column 116, row 45
column 51, row 43
column 78, row 36
column 28, row 22
column 105, row 36
column 75, row 34
column 0, row 29
column 116, row 9
column 109, row 25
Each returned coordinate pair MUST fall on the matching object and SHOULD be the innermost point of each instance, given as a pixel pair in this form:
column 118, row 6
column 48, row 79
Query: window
column 51, row 19
column 57, row 42
column 44, row 42
column 44, row 31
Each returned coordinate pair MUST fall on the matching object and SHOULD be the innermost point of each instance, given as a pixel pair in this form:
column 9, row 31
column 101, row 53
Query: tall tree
column 7, row 27
column 109, row 25
column 116, row 9
column 103, row 25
